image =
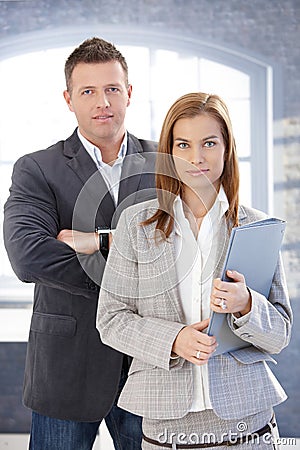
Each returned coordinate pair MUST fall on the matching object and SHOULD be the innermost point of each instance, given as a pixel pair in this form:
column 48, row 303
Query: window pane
column 229, row 82
column 172, row 75
column 138, row 116
column 5, row 180
column 138, row 61
column 38, row 116
column 245, row 183
column 239, row 110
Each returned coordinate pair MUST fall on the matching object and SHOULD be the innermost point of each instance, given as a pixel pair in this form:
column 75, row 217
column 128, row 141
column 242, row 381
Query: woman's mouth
column 197, row 172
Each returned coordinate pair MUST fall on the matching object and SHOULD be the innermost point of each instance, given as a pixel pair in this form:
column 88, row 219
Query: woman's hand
column 194, row 345
column 231, row 297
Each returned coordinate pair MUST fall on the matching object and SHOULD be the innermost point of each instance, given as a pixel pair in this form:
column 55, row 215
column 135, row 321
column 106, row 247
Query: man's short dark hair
column 91, row 51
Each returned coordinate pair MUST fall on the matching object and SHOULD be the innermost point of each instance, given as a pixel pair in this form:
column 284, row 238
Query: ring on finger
column 223, row 304
column 198, row 354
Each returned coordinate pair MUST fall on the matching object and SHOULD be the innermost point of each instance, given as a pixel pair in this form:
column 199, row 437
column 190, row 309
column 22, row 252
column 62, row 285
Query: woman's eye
column 209, row 144
column 183, row 145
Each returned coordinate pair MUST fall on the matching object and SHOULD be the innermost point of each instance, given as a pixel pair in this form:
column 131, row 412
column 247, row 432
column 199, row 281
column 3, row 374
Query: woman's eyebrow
column 181, row 139
column 210, row 137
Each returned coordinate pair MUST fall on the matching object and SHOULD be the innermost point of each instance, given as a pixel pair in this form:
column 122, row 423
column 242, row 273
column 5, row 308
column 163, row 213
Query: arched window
column 33, row 114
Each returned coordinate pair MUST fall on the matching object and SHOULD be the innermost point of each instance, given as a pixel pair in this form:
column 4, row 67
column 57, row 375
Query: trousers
column 48, row 433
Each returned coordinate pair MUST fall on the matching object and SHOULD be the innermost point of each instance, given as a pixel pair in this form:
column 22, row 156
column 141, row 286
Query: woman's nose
column 198, row 155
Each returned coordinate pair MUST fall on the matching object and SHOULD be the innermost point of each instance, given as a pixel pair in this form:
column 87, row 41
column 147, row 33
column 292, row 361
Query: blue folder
column 253, row 250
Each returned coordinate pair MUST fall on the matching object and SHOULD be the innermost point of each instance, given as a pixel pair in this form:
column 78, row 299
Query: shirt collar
column 93, row 150
column 223, row 200
column 218, row 209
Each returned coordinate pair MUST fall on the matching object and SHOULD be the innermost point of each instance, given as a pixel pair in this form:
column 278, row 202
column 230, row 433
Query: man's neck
column 109, row 148
column 109, row 153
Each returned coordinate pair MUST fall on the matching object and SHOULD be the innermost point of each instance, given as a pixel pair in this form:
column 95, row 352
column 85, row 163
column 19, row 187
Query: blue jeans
column 54, row 434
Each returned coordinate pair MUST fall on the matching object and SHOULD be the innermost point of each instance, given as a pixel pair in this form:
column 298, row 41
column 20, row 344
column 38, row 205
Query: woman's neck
column 197, row 204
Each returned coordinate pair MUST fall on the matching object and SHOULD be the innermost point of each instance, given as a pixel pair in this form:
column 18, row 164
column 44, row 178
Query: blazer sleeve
column 31, row 224
column 268, row 325
column 149, row 339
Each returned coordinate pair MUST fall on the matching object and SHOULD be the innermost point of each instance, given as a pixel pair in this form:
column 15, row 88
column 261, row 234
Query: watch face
column 104, row 244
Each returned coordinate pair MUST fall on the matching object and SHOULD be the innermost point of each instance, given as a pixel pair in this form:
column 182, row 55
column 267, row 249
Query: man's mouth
column 103, row 117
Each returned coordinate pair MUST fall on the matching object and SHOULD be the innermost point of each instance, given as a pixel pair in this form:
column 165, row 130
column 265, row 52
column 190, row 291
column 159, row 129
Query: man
column 71, row 377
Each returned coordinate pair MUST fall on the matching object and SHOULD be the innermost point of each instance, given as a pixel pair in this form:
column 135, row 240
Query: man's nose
column 102, row 100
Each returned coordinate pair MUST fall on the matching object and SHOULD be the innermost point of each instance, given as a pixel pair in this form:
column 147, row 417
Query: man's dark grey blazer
column 70, row 374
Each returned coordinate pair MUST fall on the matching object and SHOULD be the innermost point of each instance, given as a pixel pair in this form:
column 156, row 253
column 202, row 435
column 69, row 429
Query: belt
column 241, row 440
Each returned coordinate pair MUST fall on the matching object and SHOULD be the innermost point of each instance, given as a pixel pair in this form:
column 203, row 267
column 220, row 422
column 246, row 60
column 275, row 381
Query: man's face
column 99, row 98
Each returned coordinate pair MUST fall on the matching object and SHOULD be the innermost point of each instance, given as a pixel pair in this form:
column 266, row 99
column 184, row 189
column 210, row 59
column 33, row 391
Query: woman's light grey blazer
column 140, row 314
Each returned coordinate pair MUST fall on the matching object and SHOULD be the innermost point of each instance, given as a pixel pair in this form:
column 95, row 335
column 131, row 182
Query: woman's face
column 198, row 151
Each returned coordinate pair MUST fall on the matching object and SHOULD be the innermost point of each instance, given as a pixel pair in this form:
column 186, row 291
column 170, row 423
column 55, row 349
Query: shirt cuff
column 240, row 321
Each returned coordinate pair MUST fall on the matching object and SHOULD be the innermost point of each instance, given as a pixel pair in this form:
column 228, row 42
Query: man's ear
column 129, row 92
column 68, row 100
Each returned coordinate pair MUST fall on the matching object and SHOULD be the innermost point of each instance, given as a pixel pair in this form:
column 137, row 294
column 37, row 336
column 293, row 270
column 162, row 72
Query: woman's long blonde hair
column 167, row 181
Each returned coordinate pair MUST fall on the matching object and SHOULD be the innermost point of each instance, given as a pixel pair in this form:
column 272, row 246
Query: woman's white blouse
column 195, row 263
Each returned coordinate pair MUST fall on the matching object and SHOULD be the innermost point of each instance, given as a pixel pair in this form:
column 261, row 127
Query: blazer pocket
column 54, row 324
column 251, row 355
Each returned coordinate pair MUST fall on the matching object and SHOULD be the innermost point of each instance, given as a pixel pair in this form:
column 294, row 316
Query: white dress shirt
column 195, row 262
column 110, row 173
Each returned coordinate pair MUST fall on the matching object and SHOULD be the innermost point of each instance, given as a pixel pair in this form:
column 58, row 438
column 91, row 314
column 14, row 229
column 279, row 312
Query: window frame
column 260, row 73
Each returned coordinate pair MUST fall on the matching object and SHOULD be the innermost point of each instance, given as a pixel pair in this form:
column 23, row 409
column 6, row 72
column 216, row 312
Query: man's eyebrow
column 116, row 83
column 112, row 84
column 82, row 88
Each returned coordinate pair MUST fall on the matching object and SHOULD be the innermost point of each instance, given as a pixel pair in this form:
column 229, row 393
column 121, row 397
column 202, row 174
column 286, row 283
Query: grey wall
column 266, row 28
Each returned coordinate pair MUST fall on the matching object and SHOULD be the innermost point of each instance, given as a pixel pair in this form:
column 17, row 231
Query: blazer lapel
column 132, row 169
column 163, row 270
column 222, row 245
column 92, row 181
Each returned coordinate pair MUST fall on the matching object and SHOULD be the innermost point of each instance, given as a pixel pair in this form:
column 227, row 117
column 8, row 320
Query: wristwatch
column 103, row 240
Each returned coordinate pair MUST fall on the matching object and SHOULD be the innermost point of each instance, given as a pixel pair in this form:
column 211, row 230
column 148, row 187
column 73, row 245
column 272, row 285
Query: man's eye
column 183, row 145
column 87, row 92
column 113, row 89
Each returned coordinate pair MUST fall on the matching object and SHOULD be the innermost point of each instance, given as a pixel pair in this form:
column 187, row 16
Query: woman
column 162, row 280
